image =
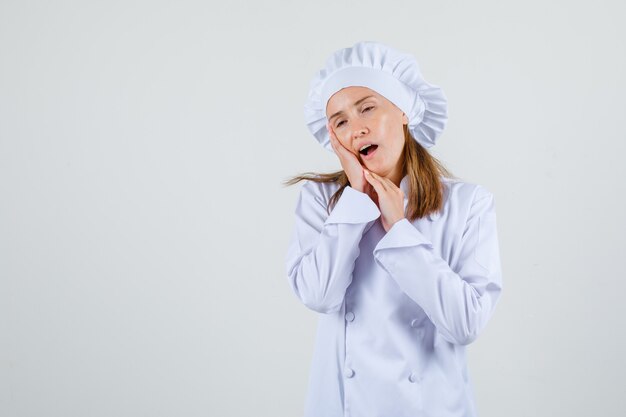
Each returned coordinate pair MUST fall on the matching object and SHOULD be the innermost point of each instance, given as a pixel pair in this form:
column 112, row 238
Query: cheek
column 396, row 140
column 394, row 135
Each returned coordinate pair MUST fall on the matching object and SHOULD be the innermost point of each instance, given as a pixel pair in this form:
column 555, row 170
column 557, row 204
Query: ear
column 405, row 119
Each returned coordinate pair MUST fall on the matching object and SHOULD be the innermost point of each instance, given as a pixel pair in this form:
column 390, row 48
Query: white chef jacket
column 397, row 308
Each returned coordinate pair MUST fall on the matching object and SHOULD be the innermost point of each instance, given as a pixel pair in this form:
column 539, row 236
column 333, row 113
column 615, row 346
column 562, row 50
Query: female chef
column 399, row 259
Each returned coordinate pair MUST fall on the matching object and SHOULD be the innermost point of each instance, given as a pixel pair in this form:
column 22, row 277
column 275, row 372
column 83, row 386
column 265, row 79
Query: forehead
column 345, row 98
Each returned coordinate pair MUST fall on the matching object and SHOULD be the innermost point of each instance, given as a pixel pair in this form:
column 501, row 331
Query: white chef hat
column 393, row 74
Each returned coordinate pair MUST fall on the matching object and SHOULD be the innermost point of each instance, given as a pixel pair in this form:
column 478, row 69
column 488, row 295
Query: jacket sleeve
column 459, row 302
column 323, row 248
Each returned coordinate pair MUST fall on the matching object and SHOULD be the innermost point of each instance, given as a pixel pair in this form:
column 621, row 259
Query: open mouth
column 368, row 150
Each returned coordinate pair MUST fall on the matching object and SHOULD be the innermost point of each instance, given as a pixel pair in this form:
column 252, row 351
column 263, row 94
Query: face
column 360, row 116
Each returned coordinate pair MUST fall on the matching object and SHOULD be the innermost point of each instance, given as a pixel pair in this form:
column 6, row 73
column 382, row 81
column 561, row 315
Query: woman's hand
column 390, row 197
column 351, row 166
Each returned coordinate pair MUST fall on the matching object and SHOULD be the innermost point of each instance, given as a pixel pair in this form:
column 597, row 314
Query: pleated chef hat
column 393, row 74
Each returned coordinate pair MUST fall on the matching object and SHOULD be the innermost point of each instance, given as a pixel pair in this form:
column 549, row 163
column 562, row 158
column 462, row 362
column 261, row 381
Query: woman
column 400, row 259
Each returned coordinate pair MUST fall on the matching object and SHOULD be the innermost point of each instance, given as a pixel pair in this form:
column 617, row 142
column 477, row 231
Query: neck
column 396, row 175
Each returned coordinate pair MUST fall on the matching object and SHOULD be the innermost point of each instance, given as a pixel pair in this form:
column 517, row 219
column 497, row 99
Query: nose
column 359, row 130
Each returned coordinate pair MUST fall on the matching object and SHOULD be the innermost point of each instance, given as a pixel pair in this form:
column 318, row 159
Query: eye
column 368, row 108
column 340, row 123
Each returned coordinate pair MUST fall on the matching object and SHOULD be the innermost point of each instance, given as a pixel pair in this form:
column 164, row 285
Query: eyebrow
column 356, row 103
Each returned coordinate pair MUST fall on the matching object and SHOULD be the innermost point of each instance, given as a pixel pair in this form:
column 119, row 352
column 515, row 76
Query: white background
column 143, row 224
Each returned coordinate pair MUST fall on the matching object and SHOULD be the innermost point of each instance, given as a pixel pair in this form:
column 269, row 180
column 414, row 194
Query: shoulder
column 467, row 198
column 464, row 191
column 319, row 192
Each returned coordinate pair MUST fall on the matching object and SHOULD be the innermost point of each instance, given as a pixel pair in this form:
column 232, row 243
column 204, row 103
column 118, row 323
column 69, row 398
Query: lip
column 370, row 154
column 363, row 144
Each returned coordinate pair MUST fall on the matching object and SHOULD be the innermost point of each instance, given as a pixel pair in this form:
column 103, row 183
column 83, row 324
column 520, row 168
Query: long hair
column 424, row 172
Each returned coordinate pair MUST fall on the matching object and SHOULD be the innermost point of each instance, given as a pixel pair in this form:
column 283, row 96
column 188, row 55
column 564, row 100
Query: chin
column 376, row 168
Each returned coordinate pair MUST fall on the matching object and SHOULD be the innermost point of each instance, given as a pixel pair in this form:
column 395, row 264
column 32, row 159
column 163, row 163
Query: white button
column 415, row 322
column 349, row 316
column 349, row 373
column 413, row 377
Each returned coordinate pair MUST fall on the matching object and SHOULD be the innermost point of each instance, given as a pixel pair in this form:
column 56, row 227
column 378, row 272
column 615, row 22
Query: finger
column 333, row 141
column 379, row 179
column 331, row 133
column 330, row 130
column 390, row 184
column 333, row 144
column 378, row 186
column 340, row 146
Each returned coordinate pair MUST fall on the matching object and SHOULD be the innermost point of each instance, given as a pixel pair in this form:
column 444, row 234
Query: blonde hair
column 424, row 172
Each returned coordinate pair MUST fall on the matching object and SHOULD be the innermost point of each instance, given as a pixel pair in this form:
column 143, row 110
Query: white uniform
column 396, row 308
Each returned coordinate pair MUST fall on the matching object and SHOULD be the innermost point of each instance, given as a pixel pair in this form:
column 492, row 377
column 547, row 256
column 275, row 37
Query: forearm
column 322, row 252
column 320, row 276
column 458, row 304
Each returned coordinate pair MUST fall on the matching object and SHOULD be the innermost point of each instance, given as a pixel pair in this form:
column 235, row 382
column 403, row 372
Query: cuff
column 402, row 234
column 353, row 207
